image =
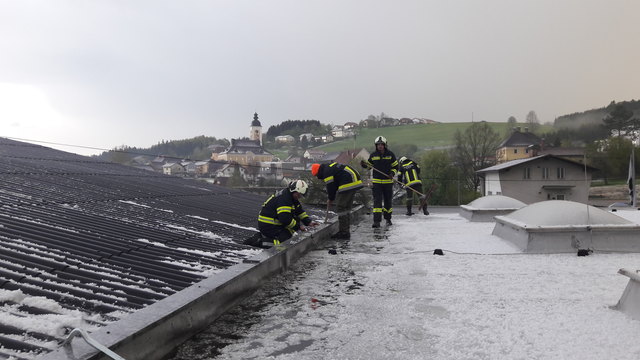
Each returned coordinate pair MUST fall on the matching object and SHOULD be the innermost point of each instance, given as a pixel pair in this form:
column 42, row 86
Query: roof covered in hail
column 560, row 212
column 85, row 242
column 496, row 202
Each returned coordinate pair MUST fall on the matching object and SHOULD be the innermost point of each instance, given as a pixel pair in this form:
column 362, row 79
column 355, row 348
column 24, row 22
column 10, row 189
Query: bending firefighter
column 384, row 165
column 343, row 182
column 409, row 175
column 282, row 215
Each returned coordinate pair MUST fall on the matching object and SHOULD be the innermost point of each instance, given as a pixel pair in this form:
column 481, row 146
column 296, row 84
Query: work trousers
column 275, row 232
column 382, row 193
column 410, row 193
column 344, row 205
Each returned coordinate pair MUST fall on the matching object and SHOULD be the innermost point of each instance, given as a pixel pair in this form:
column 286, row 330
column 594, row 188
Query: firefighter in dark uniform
column 342, row 181
column 385, row 168
column 282, row 215
column 409, row 176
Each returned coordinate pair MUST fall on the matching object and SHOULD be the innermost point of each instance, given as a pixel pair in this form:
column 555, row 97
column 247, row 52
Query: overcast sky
column 109, row 73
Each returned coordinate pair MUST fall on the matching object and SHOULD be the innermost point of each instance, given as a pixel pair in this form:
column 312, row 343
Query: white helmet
column 381, row 140
column 402, row 159
column 299, row 186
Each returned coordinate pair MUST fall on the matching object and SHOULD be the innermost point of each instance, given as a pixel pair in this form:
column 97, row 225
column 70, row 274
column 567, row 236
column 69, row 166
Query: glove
column 364, row 164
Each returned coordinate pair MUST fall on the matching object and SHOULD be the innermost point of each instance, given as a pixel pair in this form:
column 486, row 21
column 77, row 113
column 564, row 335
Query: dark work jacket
column 409, row 173
column 339, row 178
column 282, row 210
column 386, row 163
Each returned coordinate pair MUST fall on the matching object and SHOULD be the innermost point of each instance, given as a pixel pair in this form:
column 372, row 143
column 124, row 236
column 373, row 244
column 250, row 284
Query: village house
column 539, row 178
column 323, row 139
column 173, row 168
column 309, row 136
column 518, row 145
column 285, row 139
column 314, row 155
column 337, row 131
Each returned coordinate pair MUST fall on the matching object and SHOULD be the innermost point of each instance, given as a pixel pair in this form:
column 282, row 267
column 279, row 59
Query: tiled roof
column 518, row 138
column 92, row 241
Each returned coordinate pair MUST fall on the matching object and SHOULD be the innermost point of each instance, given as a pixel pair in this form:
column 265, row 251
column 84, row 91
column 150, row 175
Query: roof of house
column 347, row 156
column 517, row 162
column 100, row 240
column 519, row 138
column 242, row 146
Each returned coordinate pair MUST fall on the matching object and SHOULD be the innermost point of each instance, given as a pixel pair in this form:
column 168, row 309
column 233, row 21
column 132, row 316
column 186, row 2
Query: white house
column 285, row 139
column 544, row 177
column 172, row 169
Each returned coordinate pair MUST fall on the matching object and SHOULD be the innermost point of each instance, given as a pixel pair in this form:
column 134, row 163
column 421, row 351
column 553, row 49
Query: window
column 560, row 173
column 559, row 197
column 545, row 173
column 515, row 151
column 527, row 173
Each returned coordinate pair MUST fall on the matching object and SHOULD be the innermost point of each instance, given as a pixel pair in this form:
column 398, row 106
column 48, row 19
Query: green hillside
column 424, row 136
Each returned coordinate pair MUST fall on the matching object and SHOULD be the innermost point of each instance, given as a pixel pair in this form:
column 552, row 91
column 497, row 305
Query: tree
column 236, row 179
column 304, row 143
column 532, row 121
column 474, row 150
column 120, row 155
column 611, row 158
column 621, row 120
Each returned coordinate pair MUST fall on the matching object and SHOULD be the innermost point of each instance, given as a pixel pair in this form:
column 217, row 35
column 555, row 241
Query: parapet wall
column 155, row 331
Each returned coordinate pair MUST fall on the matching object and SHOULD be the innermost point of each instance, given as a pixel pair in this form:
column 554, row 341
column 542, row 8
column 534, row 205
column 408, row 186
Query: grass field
column 424, row 136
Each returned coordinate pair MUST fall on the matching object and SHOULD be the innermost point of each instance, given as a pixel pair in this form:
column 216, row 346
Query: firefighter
column 385, row 167
column 282, row 215
column 409, row 176
column 343, row 182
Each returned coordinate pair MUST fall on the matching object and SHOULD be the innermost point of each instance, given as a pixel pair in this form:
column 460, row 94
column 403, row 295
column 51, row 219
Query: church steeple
column 255, row 130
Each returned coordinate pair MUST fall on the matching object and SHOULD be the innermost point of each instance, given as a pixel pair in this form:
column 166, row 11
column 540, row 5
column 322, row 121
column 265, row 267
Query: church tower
column 255, row 130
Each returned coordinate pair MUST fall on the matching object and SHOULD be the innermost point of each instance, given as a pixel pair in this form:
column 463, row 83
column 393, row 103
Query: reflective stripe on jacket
column 385, row 163
column 409, row 173
column 281, row 209
column 339, row 178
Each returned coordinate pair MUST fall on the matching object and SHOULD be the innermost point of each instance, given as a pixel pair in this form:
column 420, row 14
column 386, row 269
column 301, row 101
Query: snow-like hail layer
column 384, row 295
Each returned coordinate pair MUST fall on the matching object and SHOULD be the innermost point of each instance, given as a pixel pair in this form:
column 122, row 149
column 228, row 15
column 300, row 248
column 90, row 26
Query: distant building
column 315, row 155
column 544, row 177
column 518, row 145
column 570, row 153
column 337, row 131
column 247, row 152
column 323, row 139
column 285, row 139
column 255, row 130
column 173, row 168
column 309, row 137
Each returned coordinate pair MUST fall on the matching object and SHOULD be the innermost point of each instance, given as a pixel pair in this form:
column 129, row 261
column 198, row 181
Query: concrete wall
column 155, row 331
column 536, row 188
column 569, row 239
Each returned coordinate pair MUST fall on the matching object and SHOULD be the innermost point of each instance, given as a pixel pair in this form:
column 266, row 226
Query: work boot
column 389, row 223
column 344, row 235
column 376, row 224
column 409, row 212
